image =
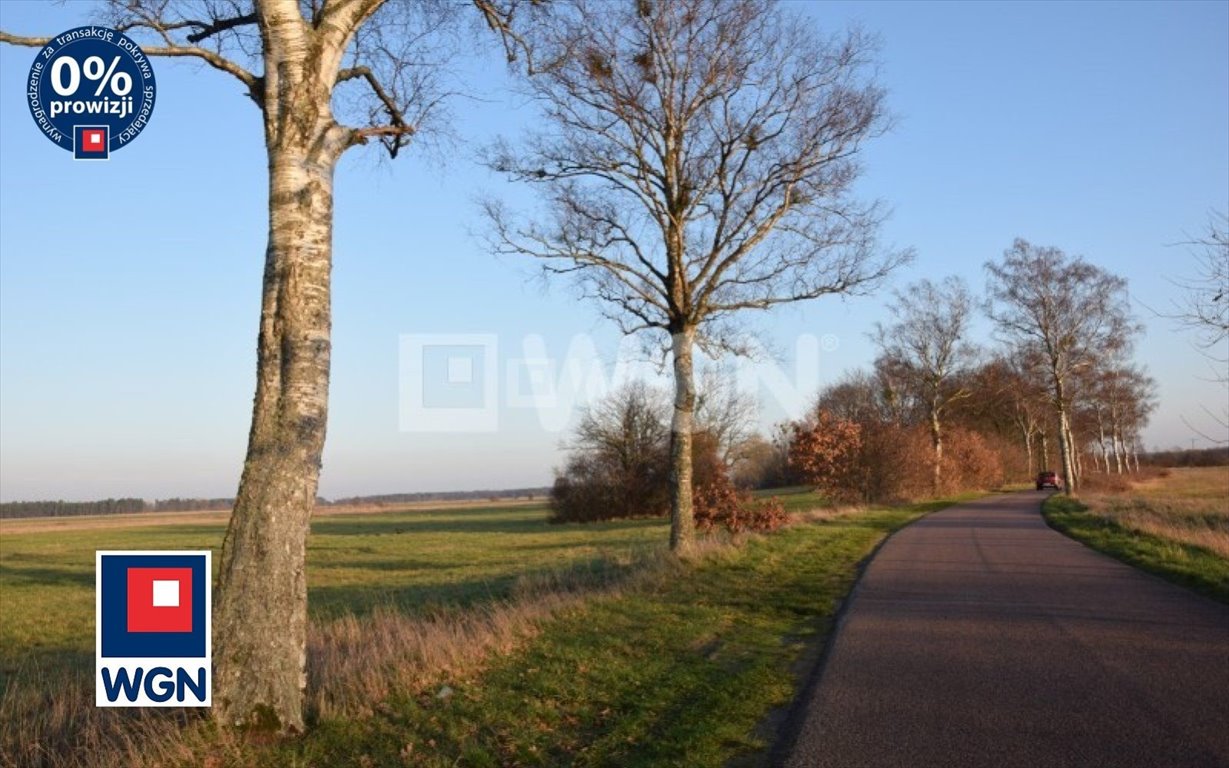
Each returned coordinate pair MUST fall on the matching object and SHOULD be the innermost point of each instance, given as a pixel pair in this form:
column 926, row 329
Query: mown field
column 1172, row 522
column 476, row 637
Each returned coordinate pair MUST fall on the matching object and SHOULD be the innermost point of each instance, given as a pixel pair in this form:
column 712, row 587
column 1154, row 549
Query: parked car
column 1048, row 480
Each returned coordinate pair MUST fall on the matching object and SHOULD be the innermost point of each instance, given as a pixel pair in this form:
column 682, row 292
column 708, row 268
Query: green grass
column 678, row 664
column 1191, row 566
column 678, row 671
column 413, row 560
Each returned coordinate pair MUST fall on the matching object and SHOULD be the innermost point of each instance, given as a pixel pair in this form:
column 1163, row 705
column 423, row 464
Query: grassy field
column 417, row 559
column 466, row 637
column 1174, row 523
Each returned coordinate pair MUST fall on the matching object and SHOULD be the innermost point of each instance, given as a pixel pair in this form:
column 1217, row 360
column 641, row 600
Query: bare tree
column 628, row 425
column 926, row 347
column 1069, row 311
column 615, row 463
column 726, row 413
column 326, row 75
column 696, row 159
column 1204, row 309
column 1205, row 306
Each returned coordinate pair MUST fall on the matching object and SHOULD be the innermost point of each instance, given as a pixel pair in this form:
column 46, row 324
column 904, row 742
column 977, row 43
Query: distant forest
column 1198, row 457
column 1188, row 457
column 16, row 509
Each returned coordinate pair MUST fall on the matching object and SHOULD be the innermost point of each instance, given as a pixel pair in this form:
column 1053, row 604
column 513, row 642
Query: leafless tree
column 696, row 159
column 628, row 425
column 1204, row 308
column 1067, row 310
column 615, row 467
column 326, row 75
column 1121, row 397
column 861, row 397
column 926, row 346
column 727, row 413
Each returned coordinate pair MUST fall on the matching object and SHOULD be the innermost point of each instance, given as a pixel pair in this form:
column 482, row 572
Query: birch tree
column 1068, row 311
column 326, row 76
column 696, row 159
column 926, row 347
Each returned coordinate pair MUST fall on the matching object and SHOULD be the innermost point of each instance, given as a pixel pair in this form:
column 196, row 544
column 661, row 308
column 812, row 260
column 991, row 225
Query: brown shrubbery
column 719, row 504
column 618, row 469
column 825, row 452
column 877, row 461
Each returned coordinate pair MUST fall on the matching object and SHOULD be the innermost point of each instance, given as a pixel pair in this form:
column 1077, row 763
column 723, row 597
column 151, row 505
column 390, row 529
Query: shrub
column 969, row 462
column 825, row 452
column 718, row 503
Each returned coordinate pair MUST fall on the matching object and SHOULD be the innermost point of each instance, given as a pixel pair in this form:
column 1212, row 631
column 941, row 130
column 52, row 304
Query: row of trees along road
column 1062, row 373
column 936, row 414
column 697, row 160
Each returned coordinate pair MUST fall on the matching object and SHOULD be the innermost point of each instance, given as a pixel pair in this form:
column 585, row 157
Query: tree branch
column 219, row 25
column 213, row 59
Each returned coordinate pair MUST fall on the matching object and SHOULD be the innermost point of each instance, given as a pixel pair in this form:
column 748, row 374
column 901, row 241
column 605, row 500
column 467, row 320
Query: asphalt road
column 978, row 636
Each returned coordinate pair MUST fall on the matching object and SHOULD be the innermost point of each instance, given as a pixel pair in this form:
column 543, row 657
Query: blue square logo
column 153, row 625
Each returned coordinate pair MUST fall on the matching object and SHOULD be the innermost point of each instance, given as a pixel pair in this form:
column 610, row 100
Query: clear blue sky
column 129, row 289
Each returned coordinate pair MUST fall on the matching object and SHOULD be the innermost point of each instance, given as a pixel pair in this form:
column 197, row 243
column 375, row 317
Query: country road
column 978, row 636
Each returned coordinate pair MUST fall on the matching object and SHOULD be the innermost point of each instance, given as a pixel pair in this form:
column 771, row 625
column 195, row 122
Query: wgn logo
column 153, row 629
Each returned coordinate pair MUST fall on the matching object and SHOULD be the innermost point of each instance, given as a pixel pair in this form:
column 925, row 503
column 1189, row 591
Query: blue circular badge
column 91, row 91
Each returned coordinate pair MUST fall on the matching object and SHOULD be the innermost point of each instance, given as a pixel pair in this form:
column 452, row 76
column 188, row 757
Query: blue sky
column 129, row 289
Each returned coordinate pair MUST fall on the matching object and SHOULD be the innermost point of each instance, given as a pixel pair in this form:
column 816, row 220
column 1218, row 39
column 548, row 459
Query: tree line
column 16, row 509
column 125, row 506
column 937, row 412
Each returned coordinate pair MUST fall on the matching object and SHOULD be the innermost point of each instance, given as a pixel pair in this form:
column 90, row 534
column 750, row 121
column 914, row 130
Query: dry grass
column 826, row 514
column 355, row 664
column 1187, row 506
column 50, row 721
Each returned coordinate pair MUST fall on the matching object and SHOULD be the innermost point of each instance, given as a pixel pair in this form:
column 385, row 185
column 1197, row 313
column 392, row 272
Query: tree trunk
column 1077, row 455
column 1064, row 437
column 682, row 517
column 1117, row 443
column 936, row 440
column 1072, row 453
column 1064, row 449
column 1105, row 452
column 1045, row 450
column 260, row 620
column 1028, row 449
column 261, row 614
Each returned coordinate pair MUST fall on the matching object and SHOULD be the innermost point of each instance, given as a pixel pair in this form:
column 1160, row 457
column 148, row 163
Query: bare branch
column 703, row 149
column 213, row 59
column 502, row 18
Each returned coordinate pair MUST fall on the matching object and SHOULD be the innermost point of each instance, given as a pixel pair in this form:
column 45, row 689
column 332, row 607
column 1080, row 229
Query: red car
column 1048, row 480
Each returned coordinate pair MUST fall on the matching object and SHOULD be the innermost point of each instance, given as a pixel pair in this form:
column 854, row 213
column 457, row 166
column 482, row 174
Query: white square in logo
column 166, row 594
column 460, row 370
column 447, row 382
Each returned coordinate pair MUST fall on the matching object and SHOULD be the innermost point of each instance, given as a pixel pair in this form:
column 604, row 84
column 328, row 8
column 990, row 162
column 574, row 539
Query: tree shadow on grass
column 51, row 662
column 44, row 575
